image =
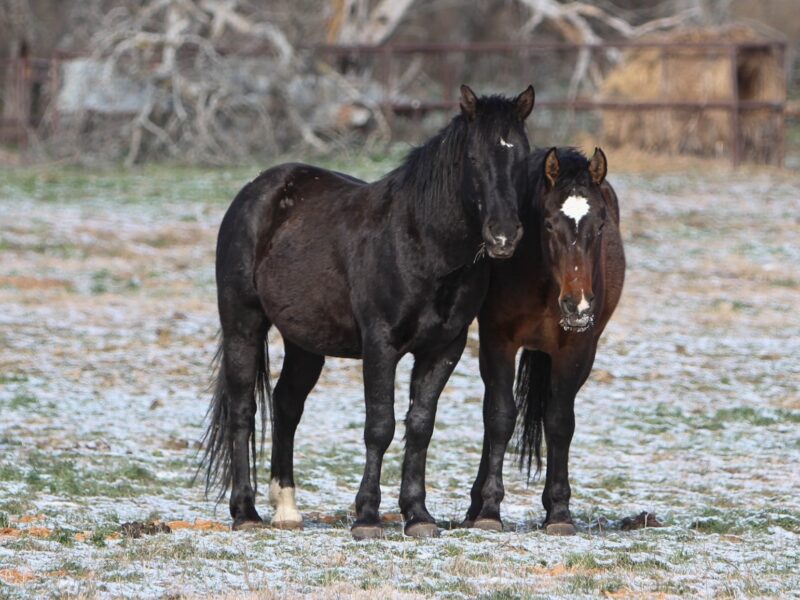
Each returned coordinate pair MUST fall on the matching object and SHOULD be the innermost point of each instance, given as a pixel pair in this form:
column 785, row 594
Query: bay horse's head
column 496, row 149
column 573, row 216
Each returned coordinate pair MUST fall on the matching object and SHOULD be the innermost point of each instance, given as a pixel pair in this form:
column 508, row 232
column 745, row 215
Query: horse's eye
column 548, row 225
column 600, row 228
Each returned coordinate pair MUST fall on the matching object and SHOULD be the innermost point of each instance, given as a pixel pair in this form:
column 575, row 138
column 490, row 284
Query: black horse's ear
column 598, row 166
column 469, row 102
column 524, row 102
column 551, row 168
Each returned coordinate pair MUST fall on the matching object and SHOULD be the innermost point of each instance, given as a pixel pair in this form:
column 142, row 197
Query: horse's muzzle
column 577, row 323
column 577, row 316
column 500, row 250
column 501, row 245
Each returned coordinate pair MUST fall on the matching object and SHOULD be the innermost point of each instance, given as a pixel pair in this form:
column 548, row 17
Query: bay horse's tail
column 216, row 440
column 531, row 392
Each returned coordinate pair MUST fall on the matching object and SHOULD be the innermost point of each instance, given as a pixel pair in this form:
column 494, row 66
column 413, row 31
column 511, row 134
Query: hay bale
column 682, row 73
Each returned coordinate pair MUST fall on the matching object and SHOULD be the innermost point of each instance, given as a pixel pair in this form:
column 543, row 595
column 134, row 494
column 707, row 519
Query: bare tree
column 201, row 102
column 354, row 22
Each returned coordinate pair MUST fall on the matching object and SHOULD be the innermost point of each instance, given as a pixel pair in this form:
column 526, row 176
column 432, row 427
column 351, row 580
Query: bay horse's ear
column 598, row 167
column 524, row 102
column 551, row 168
column 469, row 102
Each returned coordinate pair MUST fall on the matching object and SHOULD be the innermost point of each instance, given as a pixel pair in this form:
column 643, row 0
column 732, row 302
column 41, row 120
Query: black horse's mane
column 434, row 169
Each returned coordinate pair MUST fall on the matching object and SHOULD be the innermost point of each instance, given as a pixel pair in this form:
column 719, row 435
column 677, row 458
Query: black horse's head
column 496, row 149
column 573, row 216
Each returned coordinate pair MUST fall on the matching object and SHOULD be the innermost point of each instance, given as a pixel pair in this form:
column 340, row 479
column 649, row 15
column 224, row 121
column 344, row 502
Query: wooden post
column 387, row 58
column 781, row 113
column 735, row 121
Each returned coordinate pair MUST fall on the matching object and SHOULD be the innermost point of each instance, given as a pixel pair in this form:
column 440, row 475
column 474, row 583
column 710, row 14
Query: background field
column 108, row 324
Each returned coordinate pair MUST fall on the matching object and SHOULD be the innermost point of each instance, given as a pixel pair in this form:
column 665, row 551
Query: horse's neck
column 448, row 231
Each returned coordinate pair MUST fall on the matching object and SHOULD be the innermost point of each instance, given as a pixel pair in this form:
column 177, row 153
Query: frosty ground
column 108, row 325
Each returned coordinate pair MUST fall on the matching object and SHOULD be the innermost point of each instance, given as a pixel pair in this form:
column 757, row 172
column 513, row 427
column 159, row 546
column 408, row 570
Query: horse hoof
column 467, row 524
column 488, row 525
column 560, row 529
column 287, row 525
column 366, row 532
column 422, row 530
column 247, row 525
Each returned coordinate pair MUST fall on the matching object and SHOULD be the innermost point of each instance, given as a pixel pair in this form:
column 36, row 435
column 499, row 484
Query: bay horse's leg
column 380, row 365
column 499, row 417
column 299, row 374
column 569, row 372
column 244, row 330
column 428, row 378
column 476, row 493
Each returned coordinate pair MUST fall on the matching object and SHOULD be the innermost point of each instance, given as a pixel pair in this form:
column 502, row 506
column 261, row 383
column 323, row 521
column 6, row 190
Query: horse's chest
column 451, row 306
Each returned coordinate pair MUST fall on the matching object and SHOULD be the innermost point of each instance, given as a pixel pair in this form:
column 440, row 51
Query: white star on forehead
column 575, row 207
column 505, row 143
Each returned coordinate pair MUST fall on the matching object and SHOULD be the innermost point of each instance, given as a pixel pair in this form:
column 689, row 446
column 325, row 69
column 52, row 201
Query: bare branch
column 574, row 20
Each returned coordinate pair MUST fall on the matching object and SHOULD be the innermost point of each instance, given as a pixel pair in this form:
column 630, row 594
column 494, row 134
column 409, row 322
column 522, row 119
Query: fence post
column 387, row 58
column 735, row 120
column 781, row 113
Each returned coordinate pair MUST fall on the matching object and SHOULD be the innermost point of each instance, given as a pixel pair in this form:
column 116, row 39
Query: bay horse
column 359, row 270
column 553, row 299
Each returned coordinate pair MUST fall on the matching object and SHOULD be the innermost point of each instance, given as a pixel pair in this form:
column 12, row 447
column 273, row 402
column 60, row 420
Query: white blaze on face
column 575, row 207
column 583, row 306
column 282, row 500
column 505, row 143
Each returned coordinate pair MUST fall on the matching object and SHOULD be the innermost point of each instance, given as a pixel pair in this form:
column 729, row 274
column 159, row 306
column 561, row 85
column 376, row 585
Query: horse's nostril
column 568, row 305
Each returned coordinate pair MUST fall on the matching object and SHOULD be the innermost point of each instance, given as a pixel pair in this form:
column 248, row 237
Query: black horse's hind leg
column 380, row 365
column 499, row 418
column 244, row 329
column 299, row 374
column 428, row 378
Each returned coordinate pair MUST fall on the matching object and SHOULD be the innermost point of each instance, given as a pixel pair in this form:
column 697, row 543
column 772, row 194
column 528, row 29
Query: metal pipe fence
column 29, row 83
column 395, row 103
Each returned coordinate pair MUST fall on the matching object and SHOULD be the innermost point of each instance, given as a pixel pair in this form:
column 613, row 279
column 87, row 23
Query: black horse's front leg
column 380, row 365
column 499, row 418
column 428, row 378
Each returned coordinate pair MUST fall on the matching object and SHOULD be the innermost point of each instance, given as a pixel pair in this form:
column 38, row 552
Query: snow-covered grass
column 108, row 325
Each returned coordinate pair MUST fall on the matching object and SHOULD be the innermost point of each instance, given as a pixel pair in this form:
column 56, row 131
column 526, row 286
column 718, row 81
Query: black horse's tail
column 532, row 390
column 217, row 440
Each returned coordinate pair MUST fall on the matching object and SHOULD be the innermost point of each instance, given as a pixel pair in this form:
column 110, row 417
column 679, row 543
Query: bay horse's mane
column 434, row 170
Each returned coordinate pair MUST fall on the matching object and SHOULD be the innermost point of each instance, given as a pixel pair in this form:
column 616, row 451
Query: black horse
column 553, row 298
column 371, row 271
